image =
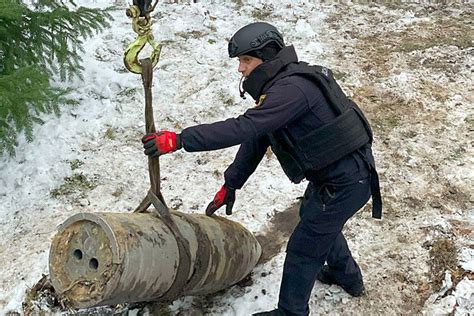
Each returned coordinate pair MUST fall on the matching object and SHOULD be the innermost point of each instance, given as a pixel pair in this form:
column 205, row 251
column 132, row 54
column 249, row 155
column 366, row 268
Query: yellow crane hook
column 142, row 25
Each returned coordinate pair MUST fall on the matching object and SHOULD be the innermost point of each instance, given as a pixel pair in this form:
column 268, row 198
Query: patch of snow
column 467, row 259
column 464, row 297
column 459, row 302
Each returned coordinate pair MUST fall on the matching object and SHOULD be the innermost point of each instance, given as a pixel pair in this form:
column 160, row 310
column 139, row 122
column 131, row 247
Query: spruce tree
column 37, row 41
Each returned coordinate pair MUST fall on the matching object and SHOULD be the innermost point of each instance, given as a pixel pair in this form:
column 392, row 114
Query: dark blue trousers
column 318, row 239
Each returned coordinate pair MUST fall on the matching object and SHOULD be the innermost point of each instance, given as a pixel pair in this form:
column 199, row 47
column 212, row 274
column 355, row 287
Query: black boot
column 355, row 289
column 275, row 312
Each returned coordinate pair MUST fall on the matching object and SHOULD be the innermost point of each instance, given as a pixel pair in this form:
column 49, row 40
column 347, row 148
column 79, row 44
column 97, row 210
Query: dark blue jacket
column 294, row 103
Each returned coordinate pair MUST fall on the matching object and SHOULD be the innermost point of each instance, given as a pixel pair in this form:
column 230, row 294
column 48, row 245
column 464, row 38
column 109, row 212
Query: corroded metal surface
column 111, row 258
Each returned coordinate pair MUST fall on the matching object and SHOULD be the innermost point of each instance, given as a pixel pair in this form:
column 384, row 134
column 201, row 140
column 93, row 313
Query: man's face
column 247, row 64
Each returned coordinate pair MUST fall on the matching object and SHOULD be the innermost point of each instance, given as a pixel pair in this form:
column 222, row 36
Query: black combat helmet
column 254, row 37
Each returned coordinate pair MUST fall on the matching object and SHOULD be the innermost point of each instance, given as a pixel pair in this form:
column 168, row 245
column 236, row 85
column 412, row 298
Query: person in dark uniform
column 317, row 134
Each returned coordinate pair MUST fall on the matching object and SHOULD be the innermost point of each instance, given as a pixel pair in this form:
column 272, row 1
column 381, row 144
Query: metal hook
column 143, row 5
column 142, row 25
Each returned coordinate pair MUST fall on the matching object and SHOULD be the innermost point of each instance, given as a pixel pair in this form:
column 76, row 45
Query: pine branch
column 21, row 105
column 34, row 45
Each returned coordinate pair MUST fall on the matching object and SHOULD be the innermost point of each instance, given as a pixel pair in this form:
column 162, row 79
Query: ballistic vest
column 321, row 147
column 348, row 133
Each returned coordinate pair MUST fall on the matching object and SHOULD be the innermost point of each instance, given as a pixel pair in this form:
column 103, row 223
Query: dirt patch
column 77, row 183
column 276, row 235
column 41, row 295
column 443, row 257
column 42, row 299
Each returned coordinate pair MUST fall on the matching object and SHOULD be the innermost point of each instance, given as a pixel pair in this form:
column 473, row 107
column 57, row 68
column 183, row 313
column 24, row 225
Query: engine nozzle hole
column 93, row 263
column 77, row 254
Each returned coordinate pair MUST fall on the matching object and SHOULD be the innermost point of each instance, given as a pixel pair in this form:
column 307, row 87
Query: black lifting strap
column 376, row 196
column 184, row 265
column 155, row 197
column 374, row 186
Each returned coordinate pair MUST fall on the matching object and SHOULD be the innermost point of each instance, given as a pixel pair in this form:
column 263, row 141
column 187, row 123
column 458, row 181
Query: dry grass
column 78, row 182
column 443, row 257
column 191, row 34
column 386, row 109
column 261, row 14
column 42, row 292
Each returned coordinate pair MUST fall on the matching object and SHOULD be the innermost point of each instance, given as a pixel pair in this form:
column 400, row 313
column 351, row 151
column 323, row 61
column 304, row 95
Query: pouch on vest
column 331, row 142
column 281, row 147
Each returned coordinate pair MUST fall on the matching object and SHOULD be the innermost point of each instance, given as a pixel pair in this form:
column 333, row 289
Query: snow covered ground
column 409, row 66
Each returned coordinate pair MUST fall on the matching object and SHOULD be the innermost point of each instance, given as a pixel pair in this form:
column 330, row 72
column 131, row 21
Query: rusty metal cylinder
column 111, row 258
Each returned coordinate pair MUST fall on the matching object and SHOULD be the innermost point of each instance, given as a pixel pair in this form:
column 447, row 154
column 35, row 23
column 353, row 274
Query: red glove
column 160, row 143
column 226, row 196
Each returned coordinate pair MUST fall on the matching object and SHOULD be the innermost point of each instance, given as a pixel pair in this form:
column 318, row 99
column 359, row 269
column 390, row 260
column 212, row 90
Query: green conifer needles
column 35, row 47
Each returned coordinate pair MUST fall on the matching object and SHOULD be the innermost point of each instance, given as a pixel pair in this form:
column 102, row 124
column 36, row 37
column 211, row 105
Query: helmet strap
column 241, row 89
